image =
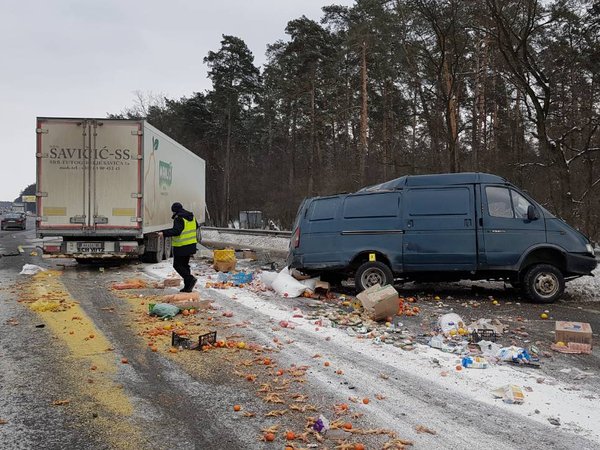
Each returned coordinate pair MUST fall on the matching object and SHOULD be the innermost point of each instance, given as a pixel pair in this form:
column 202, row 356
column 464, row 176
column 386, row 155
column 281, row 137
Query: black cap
column 176, row 207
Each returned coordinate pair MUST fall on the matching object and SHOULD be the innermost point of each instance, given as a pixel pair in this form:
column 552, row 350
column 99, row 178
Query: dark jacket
column 178, row 226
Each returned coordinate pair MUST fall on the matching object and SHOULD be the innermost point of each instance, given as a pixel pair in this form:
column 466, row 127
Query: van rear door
column 440, row 229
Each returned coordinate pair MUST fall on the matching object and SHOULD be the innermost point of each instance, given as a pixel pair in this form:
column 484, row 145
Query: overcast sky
column 75, row 58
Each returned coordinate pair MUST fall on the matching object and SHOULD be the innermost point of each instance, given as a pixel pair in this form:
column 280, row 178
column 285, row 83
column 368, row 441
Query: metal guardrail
column 272, row 233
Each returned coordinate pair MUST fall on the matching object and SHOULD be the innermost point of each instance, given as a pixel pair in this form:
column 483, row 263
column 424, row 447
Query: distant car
column 13, row 220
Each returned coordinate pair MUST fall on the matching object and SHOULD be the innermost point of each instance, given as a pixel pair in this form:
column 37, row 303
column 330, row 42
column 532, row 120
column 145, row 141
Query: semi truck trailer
column 105, row 188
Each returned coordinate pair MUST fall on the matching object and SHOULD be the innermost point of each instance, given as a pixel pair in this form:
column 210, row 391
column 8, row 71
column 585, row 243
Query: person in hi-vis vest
column 184, row 242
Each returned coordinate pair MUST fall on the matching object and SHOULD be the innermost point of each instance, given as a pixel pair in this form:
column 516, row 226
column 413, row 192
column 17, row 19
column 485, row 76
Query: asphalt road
column 184, row 401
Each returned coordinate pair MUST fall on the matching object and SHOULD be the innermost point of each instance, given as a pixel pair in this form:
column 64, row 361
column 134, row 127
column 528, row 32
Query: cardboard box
column 172, row 282
column 322, row 286
column 249, row 254
column 379, row 302
column 576, row 332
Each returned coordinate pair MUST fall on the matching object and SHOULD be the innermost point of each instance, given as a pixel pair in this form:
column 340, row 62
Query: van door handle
column 409, row 224
column 468, row 222
column 481, row 221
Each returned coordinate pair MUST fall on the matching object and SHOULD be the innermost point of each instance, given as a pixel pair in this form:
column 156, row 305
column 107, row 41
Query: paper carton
column 379, row 302
column 576, row 332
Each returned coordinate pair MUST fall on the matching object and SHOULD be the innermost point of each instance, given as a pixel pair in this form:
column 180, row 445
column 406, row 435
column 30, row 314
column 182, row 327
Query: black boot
column 189, row 284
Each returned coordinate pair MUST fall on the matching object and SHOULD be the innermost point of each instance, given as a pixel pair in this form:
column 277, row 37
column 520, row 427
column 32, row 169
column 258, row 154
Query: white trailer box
column 106, row 187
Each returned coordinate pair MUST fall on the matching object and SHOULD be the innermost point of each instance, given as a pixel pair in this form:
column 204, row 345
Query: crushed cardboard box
column 575, row 332
column 379, row 302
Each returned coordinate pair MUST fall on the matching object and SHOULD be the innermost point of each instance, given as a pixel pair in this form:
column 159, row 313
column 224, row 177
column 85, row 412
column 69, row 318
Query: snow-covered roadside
column 279, row 244
column 576, row 409
column 587, row 288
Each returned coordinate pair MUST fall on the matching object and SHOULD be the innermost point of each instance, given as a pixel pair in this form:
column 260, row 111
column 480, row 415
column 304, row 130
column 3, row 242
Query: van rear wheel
column 372, row 273
column 544, row 283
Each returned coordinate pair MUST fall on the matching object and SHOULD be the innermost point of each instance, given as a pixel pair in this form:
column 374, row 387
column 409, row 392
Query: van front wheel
column 544, row 283
column 372, row 273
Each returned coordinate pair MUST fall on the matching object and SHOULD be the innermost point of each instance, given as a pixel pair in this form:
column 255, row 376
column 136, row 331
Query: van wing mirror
column 531, row 214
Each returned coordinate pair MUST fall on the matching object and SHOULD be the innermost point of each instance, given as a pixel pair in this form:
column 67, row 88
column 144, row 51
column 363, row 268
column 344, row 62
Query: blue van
column 445, row 227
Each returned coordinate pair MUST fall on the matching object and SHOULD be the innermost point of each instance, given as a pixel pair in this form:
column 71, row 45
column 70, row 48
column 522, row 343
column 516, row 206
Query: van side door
column 507, row 230
column 439, row 224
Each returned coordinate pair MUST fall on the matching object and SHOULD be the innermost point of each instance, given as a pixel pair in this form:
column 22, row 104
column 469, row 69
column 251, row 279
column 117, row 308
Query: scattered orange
column 366, row 401
column 267, row 361
column 290, row 435
column 154, row 348
column 91, row 336
column 359, row 447
column 237, row 407
column 124, row 360
column 93, row 368
column 173, row 350
column 269, row 437
column 326, row 363
column 347, row 426
column 192, row 311
column 279, row 372
column 459, row 367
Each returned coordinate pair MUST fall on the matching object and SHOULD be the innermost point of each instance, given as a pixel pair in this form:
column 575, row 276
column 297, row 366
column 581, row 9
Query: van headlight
column 589, row 248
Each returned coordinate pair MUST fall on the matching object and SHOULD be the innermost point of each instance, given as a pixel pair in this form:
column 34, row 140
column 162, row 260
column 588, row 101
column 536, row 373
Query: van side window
column 371, row 205
column 323, row 209
column 439, row 202
column 520, row 204
column 499, row 204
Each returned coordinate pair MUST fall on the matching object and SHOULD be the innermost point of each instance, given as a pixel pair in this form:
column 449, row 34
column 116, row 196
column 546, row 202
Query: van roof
column 438, row 179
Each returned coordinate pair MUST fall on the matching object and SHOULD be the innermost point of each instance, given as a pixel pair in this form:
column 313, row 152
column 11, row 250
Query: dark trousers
column 182, row 265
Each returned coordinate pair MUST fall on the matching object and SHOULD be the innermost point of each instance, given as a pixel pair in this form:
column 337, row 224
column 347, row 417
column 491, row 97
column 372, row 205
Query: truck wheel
column 372, row 273
column 543, row 283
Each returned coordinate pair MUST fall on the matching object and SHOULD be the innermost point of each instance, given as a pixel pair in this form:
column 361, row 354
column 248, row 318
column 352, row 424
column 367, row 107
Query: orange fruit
column 347, row 426
column 326, row 363
column 279, row 372
column 359, row 447
column 344, row 406
column 290, row 435
column 459, row 367
column 192, row 311
column 154, row 348
column 173, row 350
column 124, row 360
column 269, row 437
column 366, row 401
column 91, row 336
column 185, row 312
column 71, row 332
column 237, row 407
column 267, row 361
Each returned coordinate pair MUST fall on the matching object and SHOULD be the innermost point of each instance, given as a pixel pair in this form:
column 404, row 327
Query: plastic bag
column 267, row 278
column 513, row 354
column 451, row 321
column 31, row 269
column 287, row 286
column 164, row 310
column 489, row 348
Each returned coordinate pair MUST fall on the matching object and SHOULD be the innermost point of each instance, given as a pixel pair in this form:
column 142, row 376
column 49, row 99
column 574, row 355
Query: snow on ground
column 586, row 286
column 280, row 244
column 576, row 408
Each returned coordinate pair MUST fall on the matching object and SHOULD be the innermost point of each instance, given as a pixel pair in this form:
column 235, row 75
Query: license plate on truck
column 90, row 247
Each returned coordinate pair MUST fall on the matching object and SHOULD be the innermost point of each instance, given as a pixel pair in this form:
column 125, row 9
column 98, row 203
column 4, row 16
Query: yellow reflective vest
column 188, row 235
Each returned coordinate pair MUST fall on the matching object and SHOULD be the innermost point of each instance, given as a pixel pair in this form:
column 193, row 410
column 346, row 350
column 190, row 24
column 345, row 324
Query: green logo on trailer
column 165, row 174
column 154, row 143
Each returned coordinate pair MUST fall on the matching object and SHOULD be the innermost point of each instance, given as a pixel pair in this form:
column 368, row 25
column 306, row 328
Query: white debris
column 31, row 269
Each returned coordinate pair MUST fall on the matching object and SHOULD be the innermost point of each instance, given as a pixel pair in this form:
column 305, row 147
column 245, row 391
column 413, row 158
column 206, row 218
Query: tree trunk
column 227, row 168
column 311, row 164
column 451, row 116
column 362, row 148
